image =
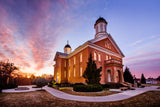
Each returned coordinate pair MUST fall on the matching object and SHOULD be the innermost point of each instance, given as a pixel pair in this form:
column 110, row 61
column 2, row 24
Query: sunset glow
column 31, row 31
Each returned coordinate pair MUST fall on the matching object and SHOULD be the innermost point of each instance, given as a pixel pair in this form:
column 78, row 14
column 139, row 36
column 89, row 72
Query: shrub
column 9, row 86
column 66, row 84
column 87, row 88
column 51, row 82
column 40, row 82
column 112, row 85
column 79, row 84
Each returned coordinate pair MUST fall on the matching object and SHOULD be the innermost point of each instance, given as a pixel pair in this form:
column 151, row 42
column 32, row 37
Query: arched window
column 74, row 72
column 80, row 72
column 74, row 60
column 107, row 57
column 69, row 73
column 80, row 59
column 95, row 56
column 99, row 57
column 101, row 27
column 69, row 62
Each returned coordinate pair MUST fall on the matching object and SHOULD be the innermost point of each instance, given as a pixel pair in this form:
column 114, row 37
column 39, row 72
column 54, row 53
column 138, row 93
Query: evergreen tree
column 143, row 79
column 92, row 74
column 158, row 78
column 128, row 76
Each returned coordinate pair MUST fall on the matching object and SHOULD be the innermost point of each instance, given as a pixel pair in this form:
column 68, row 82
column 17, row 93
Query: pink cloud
column 147, row 63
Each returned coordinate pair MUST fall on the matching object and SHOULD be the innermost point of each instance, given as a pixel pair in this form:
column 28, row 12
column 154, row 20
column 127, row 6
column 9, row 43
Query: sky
column 31, row 31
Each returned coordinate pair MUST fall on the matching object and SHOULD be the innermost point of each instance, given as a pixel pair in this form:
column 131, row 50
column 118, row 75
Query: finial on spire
column 67, row 42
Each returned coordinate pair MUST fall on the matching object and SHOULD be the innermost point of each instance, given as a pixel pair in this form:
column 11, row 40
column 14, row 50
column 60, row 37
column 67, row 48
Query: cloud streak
column 29, row 34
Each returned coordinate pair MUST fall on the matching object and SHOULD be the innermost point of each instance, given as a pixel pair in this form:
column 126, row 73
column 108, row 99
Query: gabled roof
column 61, row 54
column 112, row 41
column 90, row 43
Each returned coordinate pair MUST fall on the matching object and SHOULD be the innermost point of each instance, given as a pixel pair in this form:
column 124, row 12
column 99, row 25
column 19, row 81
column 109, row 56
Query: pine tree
column 143, row 79
column 92, row 74
column 128, row 76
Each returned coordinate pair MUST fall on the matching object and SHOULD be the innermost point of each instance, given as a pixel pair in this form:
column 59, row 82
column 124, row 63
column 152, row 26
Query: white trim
column 111, row 40
column 76, row 51
column 99, row 38
column 105, row 51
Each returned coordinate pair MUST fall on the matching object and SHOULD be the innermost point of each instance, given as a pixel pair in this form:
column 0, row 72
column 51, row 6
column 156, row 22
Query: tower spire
column 67, row 41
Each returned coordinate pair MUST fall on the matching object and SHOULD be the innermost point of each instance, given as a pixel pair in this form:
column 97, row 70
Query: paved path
column 13, row 90
column 115, row 97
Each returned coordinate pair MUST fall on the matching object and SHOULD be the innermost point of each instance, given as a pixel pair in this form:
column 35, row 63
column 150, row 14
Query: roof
column 100, row 19
column 61, row 54
column 67, row 46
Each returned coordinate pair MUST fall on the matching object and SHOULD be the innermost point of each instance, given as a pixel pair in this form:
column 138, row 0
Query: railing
column 113, row 61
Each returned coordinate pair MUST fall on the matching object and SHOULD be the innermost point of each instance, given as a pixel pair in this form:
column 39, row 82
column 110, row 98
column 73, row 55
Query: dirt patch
column 44, row 99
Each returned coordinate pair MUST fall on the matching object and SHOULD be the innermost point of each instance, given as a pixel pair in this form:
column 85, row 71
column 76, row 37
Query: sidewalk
column 115, row 97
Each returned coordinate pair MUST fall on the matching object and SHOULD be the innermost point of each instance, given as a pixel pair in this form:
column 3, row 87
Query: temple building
column 70, row 65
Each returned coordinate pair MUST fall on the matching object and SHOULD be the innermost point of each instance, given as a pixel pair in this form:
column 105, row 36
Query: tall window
column 74, row 60
column 99, row 57
column 69, row 62
column 69, row 73
column 80, row 72
column 65, row 74
column 107, row 57
column 74, row 72
column 101, row 27
column 95, row 56
column 110, row 57
column 80, row 57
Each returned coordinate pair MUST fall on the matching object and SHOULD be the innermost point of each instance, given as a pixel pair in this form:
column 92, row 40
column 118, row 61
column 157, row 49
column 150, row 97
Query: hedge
column 87, row 88
column 112, row 85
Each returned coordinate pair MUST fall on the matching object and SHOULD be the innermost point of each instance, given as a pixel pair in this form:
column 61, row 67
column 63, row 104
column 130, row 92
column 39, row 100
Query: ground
column 45, row 99
column 103, row 93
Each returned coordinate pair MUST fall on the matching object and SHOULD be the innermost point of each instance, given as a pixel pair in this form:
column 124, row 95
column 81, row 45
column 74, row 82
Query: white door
column 109, row 76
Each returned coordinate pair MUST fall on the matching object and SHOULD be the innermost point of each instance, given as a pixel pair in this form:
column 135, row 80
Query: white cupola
column 100, row 27
column 67, row 48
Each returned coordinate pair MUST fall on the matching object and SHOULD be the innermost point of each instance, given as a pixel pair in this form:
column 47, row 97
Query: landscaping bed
column 69, row 90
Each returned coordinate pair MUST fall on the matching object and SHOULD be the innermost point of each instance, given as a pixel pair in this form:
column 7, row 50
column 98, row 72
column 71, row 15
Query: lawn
column 103, row 93
column 44, row 99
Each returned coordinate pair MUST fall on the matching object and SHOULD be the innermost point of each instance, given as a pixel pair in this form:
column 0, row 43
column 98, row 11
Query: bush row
column 112, row 85
column 9, row 86
column 87, row 88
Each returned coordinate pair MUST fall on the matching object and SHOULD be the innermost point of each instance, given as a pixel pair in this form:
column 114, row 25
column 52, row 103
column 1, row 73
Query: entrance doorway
column 109, row 75
column 118, row 76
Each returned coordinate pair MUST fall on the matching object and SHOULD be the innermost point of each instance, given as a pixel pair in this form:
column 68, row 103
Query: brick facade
column 69, row 67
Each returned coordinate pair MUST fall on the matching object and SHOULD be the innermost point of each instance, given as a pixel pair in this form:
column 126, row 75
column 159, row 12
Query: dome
column 67, row 46
column 100, row 19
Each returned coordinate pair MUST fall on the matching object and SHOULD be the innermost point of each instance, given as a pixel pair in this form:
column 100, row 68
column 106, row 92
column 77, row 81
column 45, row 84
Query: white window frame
column 81, row 72
column 80, row 59
column 107, row 57
column 99, row 57
column 69, row 73
column 69, row 62
column 95, row 56
column 74, row 60
column 74, row 72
